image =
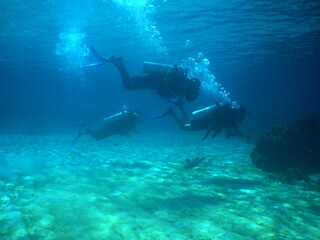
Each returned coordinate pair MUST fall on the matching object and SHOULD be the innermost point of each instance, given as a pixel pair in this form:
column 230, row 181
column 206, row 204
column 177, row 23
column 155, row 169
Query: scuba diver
column 168, row 81
column 213, row 118
column 121, row 123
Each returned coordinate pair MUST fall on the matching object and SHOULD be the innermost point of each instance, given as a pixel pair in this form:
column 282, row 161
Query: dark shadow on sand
column 188, row 202
column 130, row 165
column 232, row 183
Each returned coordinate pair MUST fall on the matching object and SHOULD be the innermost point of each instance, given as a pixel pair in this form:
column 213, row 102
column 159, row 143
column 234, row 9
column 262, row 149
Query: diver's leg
column 99, row 134
column 141, row 83
column 133, row 83
column 215, row 134
column 179, row 121
column 118, row 63
column 183, row 112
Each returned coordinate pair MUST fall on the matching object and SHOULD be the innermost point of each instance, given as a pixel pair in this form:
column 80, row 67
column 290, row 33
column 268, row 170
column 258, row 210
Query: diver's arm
column 180, row 122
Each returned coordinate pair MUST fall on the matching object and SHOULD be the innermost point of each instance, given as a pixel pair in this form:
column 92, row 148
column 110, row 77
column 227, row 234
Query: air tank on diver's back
column 203, row 112
column 150, row 67
column 115, row 117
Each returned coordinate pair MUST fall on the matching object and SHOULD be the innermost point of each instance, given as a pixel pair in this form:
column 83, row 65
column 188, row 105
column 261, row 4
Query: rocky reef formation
column 284, row 148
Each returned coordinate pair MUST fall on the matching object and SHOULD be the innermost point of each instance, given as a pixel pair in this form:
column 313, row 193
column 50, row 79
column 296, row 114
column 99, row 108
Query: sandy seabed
column 138, row 188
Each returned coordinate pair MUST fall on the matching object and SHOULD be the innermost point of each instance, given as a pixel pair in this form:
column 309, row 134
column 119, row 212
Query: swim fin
column 74, row 140
column 100, row 58
column 93, row 64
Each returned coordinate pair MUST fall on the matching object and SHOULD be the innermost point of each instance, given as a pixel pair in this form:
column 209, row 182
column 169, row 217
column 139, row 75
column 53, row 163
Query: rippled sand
column 138, row 188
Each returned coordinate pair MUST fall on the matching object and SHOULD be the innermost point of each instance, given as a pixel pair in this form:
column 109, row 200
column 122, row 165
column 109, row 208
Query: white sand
column 137, row 188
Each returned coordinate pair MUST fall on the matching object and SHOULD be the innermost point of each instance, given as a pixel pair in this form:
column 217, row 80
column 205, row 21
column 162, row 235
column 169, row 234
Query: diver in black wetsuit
column 121, row 123
column 171, row 84
column 168, row 81
column 214, row 118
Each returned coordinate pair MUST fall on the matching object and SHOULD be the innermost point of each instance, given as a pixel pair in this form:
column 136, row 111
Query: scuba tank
column 115, row 117
column 150, row 67
column 203, row 112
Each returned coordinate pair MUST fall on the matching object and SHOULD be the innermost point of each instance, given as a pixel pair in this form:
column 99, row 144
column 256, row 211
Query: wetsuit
column 169, row 85
column 122, row 126
column 221, row 117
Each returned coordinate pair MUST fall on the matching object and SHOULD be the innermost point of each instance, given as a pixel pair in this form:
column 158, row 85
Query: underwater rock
column 289, row 147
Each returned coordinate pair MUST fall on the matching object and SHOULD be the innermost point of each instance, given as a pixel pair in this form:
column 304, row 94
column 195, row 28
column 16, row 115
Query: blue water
column 262, row 55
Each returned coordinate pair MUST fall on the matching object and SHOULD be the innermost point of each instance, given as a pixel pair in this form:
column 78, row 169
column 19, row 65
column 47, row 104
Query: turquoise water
column 137, row 189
